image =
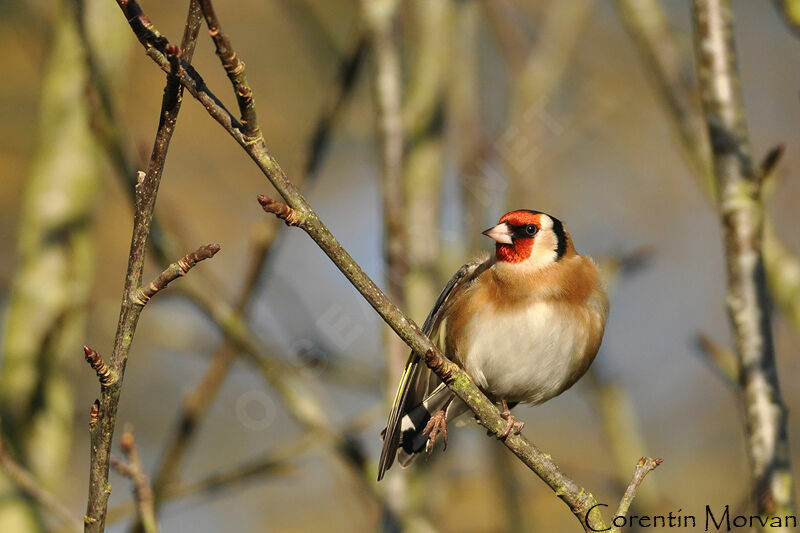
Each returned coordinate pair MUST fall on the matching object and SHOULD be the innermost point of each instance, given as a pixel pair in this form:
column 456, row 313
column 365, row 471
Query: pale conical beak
column 501, row 233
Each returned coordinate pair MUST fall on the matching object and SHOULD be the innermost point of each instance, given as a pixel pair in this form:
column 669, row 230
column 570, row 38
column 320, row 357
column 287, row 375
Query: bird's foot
column 437, row 423
column 513, row 426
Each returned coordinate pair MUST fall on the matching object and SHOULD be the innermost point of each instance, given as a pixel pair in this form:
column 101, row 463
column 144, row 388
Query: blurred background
column 546, row 105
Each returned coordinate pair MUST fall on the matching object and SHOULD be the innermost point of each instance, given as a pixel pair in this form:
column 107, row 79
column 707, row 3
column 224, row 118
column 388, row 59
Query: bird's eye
column 531, row 230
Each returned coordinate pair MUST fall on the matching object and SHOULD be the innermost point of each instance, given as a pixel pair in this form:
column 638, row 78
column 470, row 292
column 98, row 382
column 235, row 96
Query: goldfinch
column 524, row 324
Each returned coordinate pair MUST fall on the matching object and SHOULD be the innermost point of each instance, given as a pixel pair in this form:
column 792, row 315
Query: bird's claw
column 437, row 423
column 513, row 425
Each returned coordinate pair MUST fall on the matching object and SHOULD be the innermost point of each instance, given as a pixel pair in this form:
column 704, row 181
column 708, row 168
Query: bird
column 525, row 324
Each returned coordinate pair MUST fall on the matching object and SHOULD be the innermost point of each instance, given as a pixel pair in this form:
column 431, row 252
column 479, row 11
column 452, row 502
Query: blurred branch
column 106, row 124
column 26, row 482
column 132, row 469
column 277, row 461
column 379, row 18
column 502, row 18
column 102, row 433
column 350, row 63
column 465, row 121
column 790, row 10
column 545, row 66
column 427, row 52
column 722, row 359
column 612, row 402
column 783, row 274
column 54, row 263
column 197, row 402
column 298, row 399
column 423, row 174
column 662, row 57
column 742, row 211
column 428, row 66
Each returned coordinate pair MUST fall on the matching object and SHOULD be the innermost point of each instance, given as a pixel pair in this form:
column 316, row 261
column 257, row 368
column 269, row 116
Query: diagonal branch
column 28, row 484
column 133, row 470
column 579, row 500
column 174, row 271
column 235, row 68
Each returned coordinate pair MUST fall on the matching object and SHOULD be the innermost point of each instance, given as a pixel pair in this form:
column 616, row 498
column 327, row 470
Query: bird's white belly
column 524, row 356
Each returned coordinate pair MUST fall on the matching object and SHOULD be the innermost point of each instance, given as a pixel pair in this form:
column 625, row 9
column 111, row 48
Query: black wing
column 416, row 381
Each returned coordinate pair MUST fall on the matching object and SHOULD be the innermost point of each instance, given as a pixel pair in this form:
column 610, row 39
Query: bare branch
column 769, row 163
column 133, row 470
column 235, row 68
column 742, row 215
column 174, row 271
column 25, row 481
column 643, row 467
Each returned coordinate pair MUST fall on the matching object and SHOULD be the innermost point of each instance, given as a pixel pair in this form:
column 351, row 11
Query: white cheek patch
column 543, row 252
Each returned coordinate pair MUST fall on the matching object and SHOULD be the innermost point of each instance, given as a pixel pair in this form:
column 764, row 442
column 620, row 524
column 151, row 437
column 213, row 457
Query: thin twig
column 235, row 68
column 742, row 213
column 643, row 467
column 133, row 470
column 25, row 481
column 722, row 359
column 102, row 433
column 174, row 271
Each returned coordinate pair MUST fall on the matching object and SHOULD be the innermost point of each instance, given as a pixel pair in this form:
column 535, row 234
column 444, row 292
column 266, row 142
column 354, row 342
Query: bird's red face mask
column 515, row 235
